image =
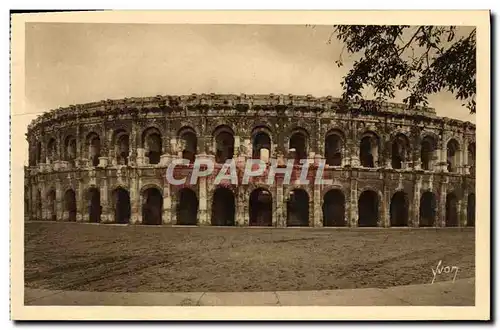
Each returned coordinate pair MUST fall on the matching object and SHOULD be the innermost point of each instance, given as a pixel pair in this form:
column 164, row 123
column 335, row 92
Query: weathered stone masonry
column 106, row 162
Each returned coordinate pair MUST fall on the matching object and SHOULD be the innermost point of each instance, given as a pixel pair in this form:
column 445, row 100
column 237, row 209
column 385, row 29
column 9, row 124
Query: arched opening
column 471, row 158
column 223, row 207
column 70, row 204
column 333, row 149
column 70, row 149
column 451, row 219
column 261, row 146
column 187, row 207
column 52, row 210
column 189, row 144
column 94, row 202
column 39, row 208
column 427, row 153
column 121, row 206
column 368, row 209
column 400, row 151
column 334, row 209
column 453, row 155
column 51, row 150
column 427, row 210
column 298, row 208
column 399, row 210
column 471, row 210
column 122, row 147
column 152, row 144
column 368, row 150
column 152, row 207
column 261, row 208
column 298, row 146
column 94, row 148
column 224, row 144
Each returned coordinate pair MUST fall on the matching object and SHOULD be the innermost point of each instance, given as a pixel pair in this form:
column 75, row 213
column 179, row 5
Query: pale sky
column 68, row 63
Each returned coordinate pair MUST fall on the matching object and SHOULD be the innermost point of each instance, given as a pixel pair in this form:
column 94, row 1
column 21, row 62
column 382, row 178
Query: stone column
column 384, row 209
column 441, row 219
column 81, row 209
column 203, row 216
column 279, row 218
column 460, row 213
column 167, row 204
column 236, row 149
column 135, row 199
column 241, row 205
column 59, row 202
column 107, row 212
column 318, row 214
column 415, row 215
column 353, row 205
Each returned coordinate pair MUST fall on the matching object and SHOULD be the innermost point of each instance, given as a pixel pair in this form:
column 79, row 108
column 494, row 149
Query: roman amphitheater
column 105, row 162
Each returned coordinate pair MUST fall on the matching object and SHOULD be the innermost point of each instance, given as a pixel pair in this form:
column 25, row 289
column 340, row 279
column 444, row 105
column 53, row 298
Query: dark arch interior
column 70, row 149
column 298, row 141
column 426, row 154
column 223, row 207
column 187, row 207
column 52, row 205
column 471, row 210
column 452, row 153
column 427, row 209
column 70, row 204
column 334, row 209
column 261, row 141
column 95, row 150
column 399, row 210
column 333, row 150
column 224, row 147
column 152, row 207
column 398, row 153
column 95, row 210
column 368, row 209
column 51, row 150
column 298, row 208
column 190, row 145
column 154, row 145
column 122, row 206
column 451, row 210
column 261, row 208
column 366, row 153
column 123, row 149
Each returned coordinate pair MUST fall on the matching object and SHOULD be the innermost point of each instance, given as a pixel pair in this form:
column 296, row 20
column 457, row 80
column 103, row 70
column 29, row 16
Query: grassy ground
column 71, row 256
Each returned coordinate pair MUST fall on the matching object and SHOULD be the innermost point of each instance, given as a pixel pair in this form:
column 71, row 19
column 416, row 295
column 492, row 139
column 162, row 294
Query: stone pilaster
column 279, row 218
column 203, row 216
column 317, row 220
column 135, row 199
column 384, row 216
column 241, row 205
column 107, row 214
column 167, row 204
column 81, row 209
column 414, row 220
column 353, row 205
column 59, row 201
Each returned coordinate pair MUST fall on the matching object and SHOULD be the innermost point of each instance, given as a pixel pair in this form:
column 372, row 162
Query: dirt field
column 71, row 256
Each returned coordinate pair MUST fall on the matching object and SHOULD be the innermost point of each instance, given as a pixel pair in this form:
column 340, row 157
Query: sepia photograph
column 301, row 160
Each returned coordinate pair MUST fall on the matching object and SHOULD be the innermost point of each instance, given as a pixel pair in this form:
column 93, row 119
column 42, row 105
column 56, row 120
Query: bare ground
column 72, row 256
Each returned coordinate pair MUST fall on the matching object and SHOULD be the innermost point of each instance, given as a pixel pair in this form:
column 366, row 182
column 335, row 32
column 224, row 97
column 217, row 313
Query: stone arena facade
column 105, row 162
